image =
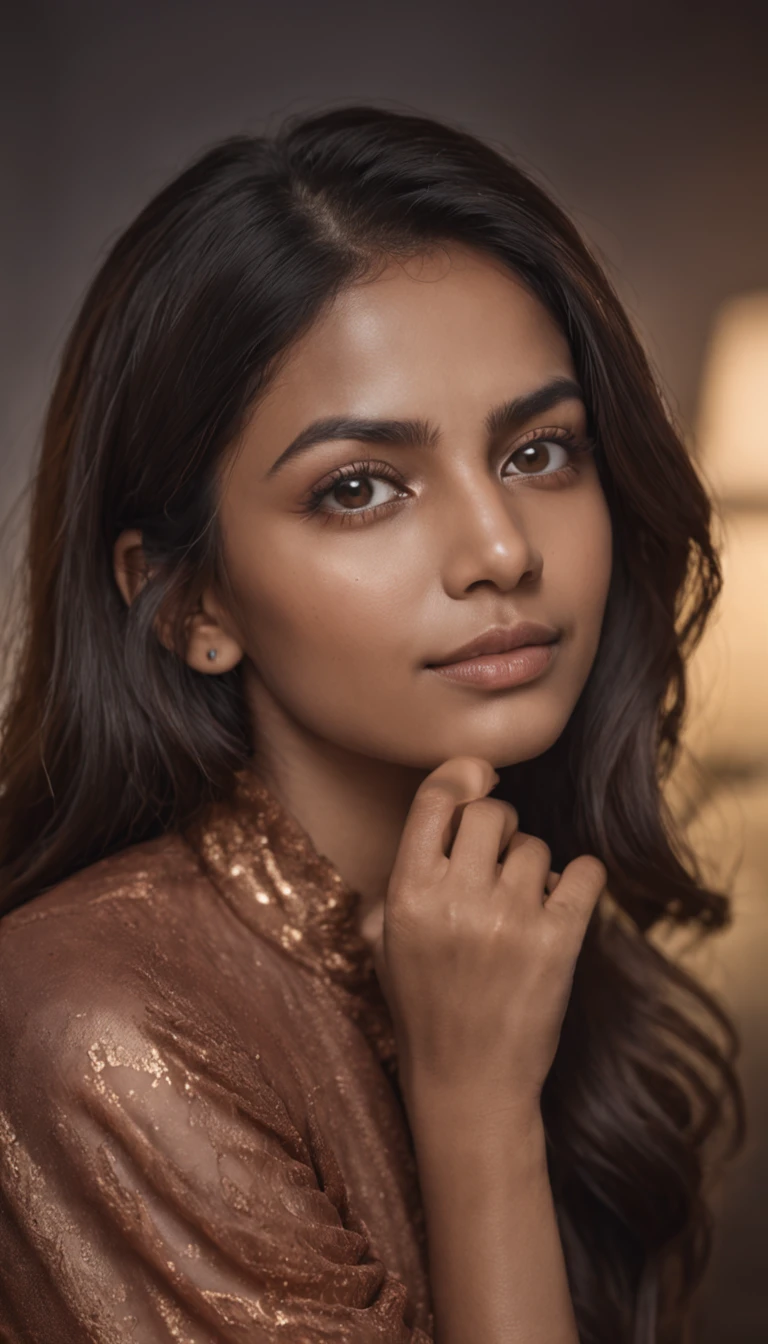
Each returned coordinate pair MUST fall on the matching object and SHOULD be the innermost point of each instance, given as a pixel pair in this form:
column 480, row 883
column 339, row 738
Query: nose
column 485, row 539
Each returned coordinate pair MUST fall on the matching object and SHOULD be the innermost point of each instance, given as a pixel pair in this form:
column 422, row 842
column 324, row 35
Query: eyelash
column 577, row 447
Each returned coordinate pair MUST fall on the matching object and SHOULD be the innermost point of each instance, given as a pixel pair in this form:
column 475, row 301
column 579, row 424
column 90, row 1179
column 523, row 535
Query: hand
column 475, row 959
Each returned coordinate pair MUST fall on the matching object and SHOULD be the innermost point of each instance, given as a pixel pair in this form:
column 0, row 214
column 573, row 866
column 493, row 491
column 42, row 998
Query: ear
column 210, row 645
column 130, row 565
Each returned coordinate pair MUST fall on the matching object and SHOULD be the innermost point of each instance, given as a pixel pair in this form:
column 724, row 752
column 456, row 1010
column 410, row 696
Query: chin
column 504, row 747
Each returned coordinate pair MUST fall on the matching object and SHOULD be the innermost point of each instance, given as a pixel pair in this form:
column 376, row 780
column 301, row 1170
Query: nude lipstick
column 500, row 657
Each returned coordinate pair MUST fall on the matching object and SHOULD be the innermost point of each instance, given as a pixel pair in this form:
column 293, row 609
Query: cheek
column 300, row 609
column 585, row 561
column 330, row 645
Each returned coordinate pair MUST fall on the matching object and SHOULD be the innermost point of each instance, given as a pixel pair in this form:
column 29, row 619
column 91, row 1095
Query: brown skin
column 384, row 762
column 336, row 620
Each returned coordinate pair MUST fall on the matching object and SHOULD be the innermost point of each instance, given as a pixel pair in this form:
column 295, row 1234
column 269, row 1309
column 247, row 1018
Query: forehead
column 438, row 335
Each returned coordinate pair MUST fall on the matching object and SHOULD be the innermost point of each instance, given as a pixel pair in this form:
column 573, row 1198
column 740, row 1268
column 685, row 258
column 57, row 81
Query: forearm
column 496, row 1265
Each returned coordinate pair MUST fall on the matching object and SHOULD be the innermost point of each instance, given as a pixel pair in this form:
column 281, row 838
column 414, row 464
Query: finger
column 431, row 821
column 552, row 881
column 485, row 829
column 581, row 884
column 526, row 867
column 372, row 933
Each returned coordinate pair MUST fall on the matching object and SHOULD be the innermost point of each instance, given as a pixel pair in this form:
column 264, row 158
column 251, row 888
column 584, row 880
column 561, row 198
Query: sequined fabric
column 201, row 1135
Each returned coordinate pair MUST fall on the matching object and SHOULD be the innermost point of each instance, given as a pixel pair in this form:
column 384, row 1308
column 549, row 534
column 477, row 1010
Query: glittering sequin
column 201, row 1134
column 310, row 903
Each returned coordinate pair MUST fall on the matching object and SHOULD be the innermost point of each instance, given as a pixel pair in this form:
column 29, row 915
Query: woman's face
column 474, row 515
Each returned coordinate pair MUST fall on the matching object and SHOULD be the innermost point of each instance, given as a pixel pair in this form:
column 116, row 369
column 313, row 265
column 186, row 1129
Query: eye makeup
column 577, row 447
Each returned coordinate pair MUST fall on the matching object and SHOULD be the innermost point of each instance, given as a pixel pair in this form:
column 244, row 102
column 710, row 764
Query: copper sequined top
column 201, row 1134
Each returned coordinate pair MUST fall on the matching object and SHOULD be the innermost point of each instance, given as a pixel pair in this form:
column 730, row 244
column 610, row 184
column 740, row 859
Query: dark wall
column 648, row 122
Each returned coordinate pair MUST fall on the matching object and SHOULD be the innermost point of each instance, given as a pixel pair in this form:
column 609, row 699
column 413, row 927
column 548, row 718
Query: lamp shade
column 728, row 721
column 728, row 673
column 733, row 426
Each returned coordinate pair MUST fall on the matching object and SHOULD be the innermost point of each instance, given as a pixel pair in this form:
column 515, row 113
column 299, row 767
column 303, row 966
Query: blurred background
column 649, row 123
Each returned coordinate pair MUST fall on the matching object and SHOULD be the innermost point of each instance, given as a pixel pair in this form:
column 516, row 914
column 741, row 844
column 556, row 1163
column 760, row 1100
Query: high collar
column 265, row 865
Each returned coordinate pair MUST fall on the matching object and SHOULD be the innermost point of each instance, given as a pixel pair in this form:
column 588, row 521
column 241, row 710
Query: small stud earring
column 212, row 653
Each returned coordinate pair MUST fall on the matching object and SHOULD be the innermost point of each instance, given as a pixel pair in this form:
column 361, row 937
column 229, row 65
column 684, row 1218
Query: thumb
column 372, row 933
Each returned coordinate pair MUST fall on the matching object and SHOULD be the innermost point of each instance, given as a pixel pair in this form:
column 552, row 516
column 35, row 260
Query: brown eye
column 355, row 492
column 534, row 458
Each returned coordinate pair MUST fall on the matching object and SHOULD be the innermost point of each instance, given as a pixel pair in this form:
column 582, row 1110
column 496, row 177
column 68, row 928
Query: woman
column 306, row 1036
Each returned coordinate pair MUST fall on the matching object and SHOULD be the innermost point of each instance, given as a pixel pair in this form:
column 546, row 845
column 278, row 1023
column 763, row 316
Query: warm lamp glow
column 733, row 426
column 728, row 722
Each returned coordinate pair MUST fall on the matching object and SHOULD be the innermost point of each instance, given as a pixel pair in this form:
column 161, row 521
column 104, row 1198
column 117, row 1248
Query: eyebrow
column 510, row 415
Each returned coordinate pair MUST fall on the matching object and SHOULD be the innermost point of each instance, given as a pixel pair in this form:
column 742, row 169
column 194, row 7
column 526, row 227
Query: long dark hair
column 110, row 738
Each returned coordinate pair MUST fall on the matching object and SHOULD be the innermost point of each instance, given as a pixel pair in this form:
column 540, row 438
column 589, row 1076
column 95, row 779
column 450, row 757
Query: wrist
column 465, row 1116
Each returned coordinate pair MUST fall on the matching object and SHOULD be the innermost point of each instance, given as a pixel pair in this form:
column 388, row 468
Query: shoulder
column 152, row 872
column 137, row 955
column 98, row 950
column 111, row 999
column 99, row 916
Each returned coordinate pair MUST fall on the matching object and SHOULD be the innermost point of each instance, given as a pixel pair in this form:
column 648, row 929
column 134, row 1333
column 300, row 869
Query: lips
column 500, row 639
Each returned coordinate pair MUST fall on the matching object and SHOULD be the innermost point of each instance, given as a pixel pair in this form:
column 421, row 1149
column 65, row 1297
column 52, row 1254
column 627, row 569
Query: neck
column 352, row 807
